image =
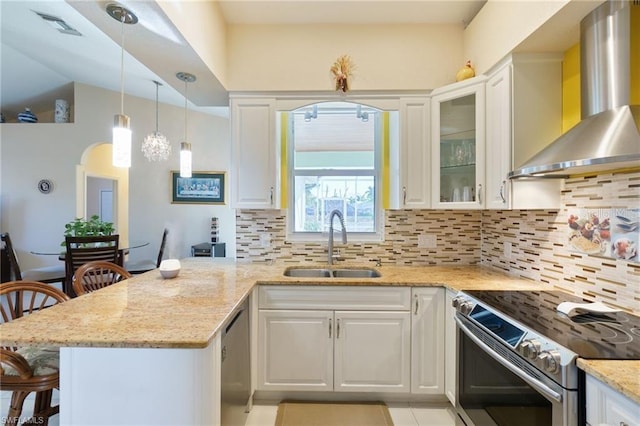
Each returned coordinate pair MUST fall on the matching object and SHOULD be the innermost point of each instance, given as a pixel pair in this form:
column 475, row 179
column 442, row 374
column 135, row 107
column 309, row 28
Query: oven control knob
column 465, row 307
column 457, row 301
column 550, row 360
column 530, row 348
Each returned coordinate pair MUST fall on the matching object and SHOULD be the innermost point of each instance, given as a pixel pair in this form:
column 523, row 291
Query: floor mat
column 311, row 413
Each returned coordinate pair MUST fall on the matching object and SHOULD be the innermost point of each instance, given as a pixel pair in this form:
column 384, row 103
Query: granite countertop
column 147, row 311
column 623, row 376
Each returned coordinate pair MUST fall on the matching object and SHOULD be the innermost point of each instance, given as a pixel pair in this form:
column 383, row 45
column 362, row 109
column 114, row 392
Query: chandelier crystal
column 156, row 146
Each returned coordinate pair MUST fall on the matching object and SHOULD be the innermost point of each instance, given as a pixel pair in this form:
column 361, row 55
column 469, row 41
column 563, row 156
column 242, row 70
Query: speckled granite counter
column 623, row 376
column 147, row 311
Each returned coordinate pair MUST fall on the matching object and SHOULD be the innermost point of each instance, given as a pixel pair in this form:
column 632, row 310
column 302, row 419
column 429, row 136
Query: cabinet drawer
column 335, row 298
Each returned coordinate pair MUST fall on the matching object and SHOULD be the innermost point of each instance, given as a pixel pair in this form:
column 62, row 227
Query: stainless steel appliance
column 236, row 377
column 517, row 356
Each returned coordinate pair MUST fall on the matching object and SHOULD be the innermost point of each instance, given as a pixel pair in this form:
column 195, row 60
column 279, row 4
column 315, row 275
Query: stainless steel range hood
column 608, row 137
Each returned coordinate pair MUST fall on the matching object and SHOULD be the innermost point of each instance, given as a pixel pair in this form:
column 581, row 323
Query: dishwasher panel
column 236, row 377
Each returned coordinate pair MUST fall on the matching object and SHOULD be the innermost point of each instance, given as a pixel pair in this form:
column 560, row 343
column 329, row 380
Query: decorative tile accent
column 457, row 238
column 538, row 238
column 541, row 251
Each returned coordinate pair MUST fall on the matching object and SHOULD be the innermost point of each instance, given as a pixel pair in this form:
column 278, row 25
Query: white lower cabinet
column 427, row 349
column 351, row 350
column 605, row 406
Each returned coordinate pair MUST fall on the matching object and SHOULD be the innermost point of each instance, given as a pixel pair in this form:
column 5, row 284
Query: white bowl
column 169, row 268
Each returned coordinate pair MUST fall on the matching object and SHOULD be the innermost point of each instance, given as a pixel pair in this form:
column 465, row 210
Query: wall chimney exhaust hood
column 608, row 137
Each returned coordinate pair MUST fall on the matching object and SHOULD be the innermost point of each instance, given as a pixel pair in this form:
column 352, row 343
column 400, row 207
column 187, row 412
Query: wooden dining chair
column 148, row 265
column 81, row 250
column 95, row 275
column 45, row 274
column 29, row 369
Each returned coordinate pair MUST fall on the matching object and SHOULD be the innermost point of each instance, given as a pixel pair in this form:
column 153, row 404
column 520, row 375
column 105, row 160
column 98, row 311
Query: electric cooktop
column 591, row 336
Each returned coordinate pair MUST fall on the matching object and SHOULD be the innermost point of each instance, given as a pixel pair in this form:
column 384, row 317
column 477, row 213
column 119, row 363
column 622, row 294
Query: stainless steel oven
column 496, row 387
column 516, row 359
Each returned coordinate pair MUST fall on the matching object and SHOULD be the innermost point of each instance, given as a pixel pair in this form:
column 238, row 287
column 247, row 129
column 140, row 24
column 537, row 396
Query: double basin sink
column 331, row 273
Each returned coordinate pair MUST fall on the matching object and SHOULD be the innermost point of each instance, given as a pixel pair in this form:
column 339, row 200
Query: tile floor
column 401, row 414
column 265, row 415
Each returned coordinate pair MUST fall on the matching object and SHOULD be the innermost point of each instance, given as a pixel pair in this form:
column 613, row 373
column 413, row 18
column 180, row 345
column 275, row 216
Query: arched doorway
column 93, row 174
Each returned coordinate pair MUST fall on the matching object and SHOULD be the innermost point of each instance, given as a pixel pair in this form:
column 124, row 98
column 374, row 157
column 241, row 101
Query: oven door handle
column 532, row 381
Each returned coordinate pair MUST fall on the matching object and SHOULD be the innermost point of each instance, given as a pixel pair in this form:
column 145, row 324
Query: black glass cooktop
column 592, row 336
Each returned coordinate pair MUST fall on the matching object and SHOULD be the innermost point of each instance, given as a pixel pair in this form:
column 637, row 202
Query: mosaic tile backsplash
column 539, row 240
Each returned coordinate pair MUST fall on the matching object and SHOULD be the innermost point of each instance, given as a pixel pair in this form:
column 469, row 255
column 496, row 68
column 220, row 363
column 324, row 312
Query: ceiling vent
column 58, row 24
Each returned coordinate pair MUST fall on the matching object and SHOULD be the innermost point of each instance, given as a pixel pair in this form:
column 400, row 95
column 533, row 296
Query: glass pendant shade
column 185, row 147
column 185, row 159
column 121, row 148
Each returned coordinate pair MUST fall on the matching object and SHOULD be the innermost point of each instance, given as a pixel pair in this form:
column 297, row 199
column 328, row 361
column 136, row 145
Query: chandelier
column 155, row 146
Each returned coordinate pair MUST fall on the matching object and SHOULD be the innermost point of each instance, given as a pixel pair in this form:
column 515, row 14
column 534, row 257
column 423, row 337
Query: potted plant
column 79, row 227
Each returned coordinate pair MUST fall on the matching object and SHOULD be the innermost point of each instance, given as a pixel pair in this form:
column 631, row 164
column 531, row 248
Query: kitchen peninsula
column 146, row 350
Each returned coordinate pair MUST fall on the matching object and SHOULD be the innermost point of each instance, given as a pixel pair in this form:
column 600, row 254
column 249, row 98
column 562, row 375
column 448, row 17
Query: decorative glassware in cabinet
column 458, row 149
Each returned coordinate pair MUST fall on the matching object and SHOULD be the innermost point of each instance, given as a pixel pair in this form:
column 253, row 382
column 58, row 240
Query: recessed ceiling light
column 58, row 24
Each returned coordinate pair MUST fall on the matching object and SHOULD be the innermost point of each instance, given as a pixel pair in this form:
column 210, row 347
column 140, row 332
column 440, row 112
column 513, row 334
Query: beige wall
column 208, row 37
column 31, row 152
column 298, row 57
column 501, row 25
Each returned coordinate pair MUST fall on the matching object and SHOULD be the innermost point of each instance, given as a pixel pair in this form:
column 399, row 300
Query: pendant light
column 155, row 146
column 121, row 123
column 185, row 147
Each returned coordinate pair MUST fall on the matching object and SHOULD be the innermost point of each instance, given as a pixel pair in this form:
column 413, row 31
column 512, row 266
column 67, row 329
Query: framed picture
column 200, row 188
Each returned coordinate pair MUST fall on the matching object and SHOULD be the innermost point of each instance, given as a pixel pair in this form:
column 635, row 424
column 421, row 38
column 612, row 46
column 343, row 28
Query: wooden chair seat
column 29, row 369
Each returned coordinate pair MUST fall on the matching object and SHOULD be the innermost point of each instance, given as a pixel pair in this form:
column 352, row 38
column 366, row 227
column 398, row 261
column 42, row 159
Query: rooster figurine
column 466, row 72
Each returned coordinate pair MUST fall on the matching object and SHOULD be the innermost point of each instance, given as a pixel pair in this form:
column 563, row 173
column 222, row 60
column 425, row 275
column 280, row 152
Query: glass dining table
column 123, row 250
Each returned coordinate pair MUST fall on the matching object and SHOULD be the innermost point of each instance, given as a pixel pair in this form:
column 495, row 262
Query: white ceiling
column 39, row 63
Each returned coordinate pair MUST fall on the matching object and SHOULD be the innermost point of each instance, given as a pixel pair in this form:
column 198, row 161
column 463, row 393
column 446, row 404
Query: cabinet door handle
column 338, row 328
column 416, row 309
column 504, row 183
column 329, row 328
column 480, row 193
column 271, row 196
column 404, row 195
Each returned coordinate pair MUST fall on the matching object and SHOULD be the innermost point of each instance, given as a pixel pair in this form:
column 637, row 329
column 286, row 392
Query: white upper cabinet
column 458, row 123
column 523, row 115
column 415, row 151
column 254, row 176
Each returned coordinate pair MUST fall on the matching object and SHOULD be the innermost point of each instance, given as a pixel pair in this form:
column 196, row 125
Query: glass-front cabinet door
column 458, row 145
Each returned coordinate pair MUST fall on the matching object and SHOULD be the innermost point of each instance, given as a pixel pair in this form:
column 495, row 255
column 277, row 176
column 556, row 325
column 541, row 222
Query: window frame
column 378, row 233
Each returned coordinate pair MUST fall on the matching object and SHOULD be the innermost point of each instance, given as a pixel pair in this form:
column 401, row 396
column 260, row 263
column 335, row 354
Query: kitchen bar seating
column 81, row 250
column 95, row 275
column 29, row 369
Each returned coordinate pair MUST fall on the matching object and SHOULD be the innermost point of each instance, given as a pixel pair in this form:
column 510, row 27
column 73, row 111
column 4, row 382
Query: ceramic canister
column 61, row 111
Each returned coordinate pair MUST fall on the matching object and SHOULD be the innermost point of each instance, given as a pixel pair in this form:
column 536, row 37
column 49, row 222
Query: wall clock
column 45, row 186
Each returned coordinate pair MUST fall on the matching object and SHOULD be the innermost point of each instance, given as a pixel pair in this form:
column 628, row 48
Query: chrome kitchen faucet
column 333, row 214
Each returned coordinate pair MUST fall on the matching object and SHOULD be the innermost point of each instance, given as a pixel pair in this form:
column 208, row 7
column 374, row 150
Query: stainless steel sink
column 307, row 272
column 328, row 273
column 355, row 273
